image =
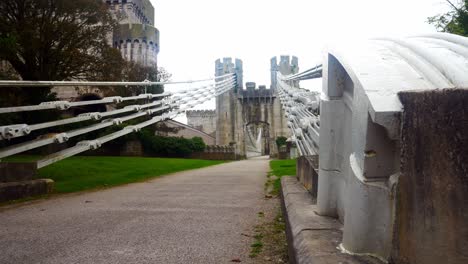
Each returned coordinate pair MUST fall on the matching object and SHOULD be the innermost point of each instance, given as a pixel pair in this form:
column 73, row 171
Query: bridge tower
column 287, row 65
column 251, row 115
column 226, row 102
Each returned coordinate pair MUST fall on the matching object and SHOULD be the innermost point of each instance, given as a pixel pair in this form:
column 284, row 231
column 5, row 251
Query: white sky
column 195, row 33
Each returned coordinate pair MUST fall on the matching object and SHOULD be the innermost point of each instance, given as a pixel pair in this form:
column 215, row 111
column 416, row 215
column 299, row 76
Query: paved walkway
column 189, row 217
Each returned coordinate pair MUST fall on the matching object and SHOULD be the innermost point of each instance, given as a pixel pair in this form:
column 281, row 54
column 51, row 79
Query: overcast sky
column 195, row 33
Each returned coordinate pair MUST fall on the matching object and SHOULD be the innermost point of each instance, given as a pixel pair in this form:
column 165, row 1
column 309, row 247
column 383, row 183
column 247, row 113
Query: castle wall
column 185, row 131
column 204, row 120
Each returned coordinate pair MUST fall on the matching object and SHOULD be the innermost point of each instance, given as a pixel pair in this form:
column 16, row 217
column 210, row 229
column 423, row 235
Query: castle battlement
column 226, row 66
column 135, row 37
column 288, row 65
column 252, row 92
column 200, row 113
column 133, row 11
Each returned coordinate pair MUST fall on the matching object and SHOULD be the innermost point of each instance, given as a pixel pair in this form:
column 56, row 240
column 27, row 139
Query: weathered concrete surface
column 312, row 238
column 17, row 190
column 432, row 199
column 189, row 217
column 17, row 171
column 307, row 173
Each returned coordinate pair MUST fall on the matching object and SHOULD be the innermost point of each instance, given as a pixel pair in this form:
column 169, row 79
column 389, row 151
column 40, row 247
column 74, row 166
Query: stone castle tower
column 226, row 102
column 135, row 37
column 286, row 66
column 251, row 116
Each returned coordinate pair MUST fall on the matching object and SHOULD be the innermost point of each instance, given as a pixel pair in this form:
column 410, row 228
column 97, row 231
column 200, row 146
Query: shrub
column 169, row 146
column 281, row 141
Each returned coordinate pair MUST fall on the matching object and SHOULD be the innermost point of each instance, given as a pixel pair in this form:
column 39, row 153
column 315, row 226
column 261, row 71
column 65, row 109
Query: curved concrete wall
column 360, row 135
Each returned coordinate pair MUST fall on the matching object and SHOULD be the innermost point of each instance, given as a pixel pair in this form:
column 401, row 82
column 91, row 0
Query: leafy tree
column 455, row 21
column 56, row 40
column 134, row 72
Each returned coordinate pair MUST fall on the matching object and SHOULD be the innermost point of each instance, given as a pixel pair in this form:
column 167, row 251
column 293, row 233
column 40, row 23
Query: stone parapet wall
column 217, row 153
column 201, row 113
column 132, row 11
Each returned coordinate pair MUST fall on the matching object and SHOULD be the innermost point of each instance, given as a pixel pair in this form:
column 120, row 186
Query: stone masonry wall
column 204, row 120
column 432, row 195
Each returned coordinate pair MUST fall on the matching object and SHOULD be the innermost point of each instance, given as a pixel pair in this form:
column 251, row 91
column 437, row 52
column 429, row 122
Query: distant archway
column 257, row 138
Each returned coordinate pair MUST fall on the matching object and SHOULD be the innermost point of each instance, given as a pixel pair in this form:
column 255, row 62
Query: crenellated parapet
column 287, row 65
column 135, row 37
column 251, row 92
column 138, row 43
column 132, row 11
column 226, row 66
column 201, row 113
column 219, row 149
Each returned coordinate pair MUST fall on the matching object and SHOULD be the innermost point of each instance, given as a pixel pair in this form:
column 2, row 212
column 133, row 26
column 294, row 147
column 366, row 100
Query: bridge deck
column 189, row 217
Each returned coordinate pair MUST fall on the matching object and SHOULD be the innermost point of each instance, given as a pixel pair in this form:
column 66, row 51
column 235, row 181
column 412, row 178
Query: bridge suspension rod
column 299, row 106
column 65, row 105
column 176, row 105
column 12, row 83
column 313, row 73
column 96, row 143
column 17, row 130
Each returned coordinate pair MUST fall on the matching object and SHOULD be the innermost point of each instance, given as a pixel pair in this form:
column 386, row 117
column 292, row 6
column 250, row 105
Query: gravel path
column 189, row 217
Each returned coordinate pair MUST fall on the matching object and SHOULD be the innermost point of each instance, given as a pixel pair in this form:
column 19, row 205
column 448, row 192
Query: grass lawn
column 83, row 173
column 280, row 168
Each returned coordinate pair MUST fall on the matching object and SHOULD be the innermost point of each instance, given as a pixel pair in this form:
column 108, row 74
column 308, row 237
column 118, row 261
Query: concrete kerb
column 17, row 181
column 311, row 238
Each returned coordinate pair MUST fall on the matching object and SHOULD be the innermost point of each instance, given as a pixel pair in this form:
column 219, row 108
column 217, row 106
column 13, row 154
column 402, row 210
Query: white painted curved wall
column 359, row 130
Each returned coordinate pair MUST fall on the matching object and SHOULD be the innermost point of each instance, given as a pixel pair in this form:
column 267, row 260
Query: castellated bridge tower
column 251, row 118
column 135, row 37
column 286, row 66
column 226, row 102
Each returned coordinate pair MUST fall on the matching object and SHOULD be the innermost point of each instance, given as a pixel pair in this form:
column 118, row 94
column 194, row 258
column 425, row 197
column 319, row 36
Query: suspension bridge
column 386, row 130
